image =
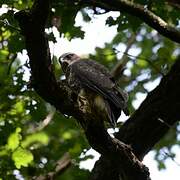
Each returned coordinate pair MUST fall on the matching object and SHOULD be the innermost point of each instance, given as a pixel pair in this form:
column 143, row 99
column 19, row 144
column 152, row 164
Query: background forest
column 36, row 141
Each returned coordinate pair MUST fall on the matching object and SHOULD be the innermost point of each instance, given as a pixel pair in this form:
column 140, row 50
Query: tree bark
column 148, row 124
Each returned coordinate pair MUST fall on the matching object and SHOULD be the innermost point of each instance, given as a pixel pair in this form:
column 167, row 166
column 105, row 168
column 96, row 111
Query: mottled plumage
column 87, row 76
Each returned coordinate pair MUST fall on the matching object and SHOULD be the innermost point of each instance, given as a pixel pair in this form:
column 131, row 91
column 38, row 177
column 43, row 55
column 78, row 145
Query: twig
column 165, row 123
column 142, row 58
column 132, row 57
column 171, row 157
column 61, row 165
column 10, row 64
column 117, row 70
column 46, row 121
column 6, row 23
column 141, row 12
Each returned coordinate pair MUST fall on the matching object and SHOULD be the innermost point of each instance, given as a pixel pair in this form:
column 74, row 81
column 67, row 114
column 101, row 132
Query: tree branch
column 141, row 12
column 158, row 112
column 162, row 104
column 32, row 24
column 61, row 165
column 174, row 3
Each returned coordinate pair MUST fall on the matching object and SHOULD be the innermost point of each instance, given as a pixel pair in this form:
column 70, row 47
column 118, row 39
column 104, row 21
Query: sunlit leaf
column 40, row 137
column 22, row 157
column 14, row 140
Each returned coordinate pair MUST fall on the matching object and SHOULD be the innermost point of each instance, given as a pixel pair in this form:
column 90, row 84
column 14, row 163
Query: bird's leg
column 83, row 102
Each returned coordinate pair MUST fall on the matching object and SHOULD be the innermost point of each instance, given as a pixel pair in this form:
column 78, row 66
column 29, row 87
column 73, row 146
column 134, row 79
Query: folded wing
column 97, row 78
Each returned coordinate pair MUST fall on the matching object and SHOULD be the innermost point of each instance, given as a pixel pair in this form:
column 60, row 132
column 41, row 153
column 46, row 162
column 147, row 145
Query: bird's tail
column 113, row 113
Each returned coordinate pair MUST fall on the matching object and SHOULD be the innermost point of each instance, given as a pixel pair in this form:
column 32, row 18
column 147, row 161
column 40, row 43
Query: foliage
column 32, row 135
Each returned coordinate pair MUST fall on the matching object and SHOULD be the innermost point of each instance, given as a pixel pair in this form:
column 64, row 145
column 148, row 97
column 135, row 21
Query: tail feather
column 113, row 113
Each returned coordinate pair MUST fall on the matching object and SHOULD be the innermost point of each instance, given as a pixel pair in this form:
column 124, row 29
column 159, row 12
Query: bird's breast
column 99, row 102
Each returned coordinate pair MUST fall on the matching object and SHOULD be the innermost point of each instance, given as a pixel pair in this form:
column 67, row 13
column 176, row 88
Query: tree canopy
column 43, row 135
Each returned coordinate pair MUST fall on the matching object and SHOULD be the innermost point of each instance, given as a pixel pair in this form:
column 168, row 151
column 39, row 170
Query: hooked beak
column 64, row 64
column 61, row 59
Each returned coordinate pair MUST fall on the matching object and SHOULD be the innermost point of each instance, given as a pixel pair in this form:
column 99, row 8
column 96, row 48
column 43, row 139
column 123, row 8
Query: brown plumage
column 86, row 76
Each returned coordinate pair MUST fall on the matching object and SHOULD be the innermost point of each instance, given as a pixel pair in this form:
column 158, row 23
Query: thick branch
column 150, row 122
column 141, row 12
column 43, row 80
column 59, row 95
column 123, row 162
column 161, row 105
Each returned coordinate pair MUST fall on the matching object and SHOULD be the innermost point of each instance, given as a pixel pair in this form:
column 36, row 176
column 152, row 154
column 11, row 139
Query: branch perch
column 158, row 112
column 141, row 12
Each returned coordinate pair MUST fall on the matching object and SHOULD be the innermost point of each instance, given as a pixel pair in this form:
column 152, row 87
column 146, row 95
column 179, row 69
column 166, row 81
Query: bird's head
column 67, row 59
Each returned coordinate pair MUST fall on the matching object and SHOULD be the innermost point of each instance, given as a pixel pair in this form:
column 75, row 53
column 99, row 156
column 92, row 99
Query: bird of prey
column 92, row 81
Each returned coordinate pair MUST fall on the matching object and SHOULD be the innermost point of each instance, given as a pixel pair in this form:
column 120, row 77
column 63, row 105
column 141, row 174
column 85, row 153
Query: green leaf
column 161, row 165
column 22, row 157
column 14, row 140
column 74, row 32
column 85, row 15
column 142, row 63
column 110, row 21
column 40, row 137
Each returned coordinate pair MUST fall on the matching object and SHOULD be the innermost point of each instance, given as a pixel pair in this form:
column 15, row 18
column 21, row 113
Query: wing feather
column 97, row 78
